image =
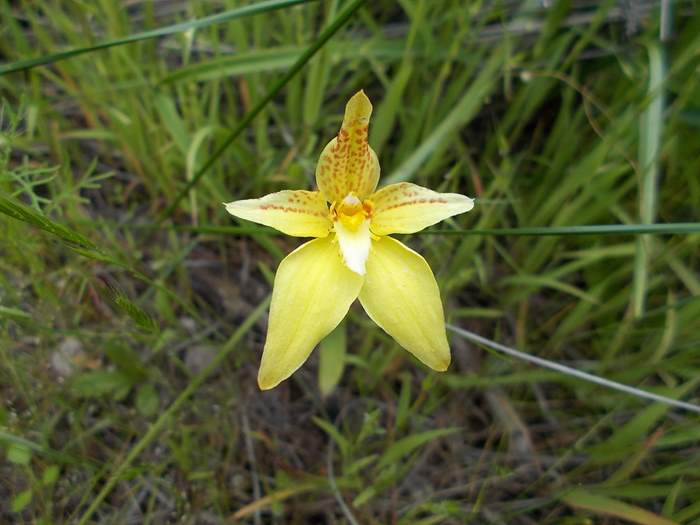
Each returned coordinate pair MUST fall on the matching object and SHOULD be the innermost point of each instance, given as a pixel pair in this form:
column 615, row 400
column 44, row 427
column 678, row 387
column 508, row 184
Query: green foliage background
column 132, row 320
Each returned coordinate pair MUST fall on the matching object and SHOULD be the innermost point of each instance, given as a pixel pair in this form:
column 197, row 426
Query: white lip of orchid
column 351, row 220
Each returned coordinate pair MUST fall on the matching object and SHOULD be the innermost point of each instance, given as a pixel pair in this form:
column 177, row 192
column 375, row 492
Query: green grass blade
column 310, row 52
column 80, row 245
column 24, row 213
column 572, row 371
column 582, row 499
column 331, row 364
column 389, row 108
column 673, row 228
column 651, row 131
column 319, row 73
column 405, row 446
column 239, row 12
column 243, row 63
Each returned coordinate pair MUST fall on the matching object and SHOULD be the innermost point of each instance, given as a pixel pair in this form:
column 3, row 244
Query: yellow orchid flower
column 352, row 255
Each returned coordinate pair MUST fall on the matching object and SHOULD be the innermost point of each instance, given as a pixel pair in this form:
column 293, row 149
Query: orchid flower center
column 351, row 212
column 351, row 218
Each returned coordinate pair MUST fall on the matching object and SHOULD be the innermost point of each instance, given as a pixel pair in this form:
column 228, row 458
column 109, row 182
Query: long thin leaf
column 24, row 213
column 593, row 229
column 671, row 228
column 583, row 499
column 651, row 134
column 239, row 12
column 80, row 244
column 270, row 499
column 572, row 371
column 408, row 444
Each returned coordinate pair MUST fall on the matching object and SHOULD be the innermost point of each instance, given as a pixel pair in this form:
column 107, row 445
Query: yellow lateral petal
column 313, row 291
column 400, row 295
column 408, row 208
column 298, row 213
column 347, row 164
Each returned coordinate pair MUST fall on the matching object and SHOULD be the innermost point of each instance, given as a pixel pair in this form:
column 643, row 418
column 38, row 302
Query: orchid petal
column 408, row 208
column 298, row 213
column 347, row 163
column 313, row 291
column 400, row 295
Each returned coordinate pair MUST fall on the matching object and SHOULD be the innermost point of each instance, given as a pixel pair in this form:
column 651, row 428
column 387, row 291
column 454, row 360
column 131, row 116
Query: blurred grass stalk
column 190, row 25
column 650, row 137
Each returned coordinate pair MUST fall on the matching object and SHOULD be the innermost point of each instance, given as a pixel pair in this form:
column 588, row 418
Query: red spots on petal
column 300, row 209
column 393, row 204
